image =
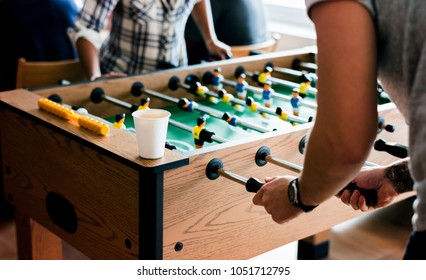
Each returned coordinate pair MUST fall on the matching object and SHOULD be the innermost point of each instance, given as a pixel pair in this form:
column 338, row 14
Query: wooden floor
column 377, row 236
column 380, row 235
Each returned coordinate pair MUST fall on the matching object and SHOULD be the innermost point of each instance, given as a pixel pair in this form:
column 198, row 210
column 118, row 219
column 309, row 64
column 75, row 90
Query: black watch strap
column 294, row 196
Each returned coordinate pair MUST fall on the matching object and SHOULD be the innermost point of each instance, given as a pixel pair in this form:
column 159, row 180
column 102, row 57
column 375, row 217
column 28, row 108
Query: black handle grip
column 394, row 149
column 370, row 195
column 253, row 185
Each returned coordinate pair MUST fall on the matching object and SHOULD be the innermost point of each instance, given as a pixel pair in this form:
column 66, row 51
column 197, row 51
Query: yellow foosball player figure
column 143, row 106
column 306, row 81
column 265, row 75
column 119, row 121
column 227, row 98
column 144, row 103
column 253, row 105
column 284, row 116
column 200, row 90
column 201, row 134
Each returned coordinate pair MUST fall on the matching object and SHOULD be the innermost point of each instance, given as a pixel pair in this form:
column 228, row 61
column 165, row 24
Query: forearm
column 346, row 121
column 201, row 14
column 328, row 169
column 89, row 58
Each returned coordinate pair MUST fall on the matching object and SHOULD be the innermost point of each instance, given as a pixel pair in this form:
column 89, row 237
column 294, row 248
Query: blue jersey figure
column 232, row 120
column 217, row 79
column 186, row 105
column 241, row 86
column 295, row 101
column 267, row 94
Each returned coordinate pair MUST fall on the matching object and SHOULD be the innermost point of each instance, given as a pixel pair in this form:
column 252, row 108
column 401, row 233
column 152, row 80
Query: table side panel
column 103, row 192
column 216, row 219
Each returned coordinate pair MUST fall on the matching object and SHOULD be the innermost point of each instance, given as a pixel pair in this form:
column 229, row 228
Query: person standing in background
column 358, row 42
column 237, row 23
column 36, row 31
column 145, row 35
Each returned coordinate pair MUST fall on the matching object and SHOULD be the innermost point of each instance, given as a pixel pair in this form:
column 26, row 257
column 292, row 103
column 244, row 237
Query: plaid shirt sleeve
column 145, row 35
column 94, row 14
column 92, row 18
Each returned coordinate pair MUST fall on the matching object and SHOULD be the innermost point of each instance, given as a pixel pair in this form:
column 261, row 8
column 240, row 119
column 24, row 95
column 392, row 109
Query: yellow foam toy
column 68, row 114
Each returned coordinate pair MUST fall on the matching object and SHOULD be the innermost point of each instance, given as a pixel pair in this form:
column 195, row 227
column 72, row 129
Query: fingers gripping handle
column 370, row 195
column 263, row 156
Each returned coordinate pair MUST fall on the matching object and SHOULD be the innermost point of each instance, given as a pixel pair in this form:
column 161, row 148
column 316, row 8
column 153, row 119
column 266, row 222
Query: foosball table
column 68, row 181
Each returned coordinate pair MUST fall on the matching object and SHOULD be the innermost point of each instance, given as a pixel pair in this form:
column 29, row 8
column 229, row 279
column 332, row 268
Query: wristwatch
column 294, row 197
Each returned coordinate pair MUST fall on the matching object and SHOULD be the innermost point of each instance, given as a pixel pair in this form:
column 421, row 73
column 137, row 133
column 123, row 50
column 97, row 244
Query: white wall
column 289, row 18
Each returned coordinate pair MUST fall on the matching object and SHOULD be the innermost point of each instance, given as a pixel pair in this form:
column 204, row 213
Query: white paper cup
column 151, row 132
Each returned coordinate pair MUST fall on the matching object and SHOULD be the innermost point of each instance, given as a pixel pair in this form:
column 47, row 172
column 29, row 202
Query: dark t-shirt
column 236, row 22
column 35, row 30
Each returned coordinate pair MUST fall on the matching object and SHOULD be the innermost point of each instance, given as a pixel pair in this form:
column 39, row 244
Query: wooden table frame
column 96, row 193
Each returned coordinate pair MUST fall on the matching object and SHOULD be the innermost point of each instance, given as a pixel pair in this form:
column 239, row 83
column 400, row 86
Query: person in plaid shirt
column 145, row 35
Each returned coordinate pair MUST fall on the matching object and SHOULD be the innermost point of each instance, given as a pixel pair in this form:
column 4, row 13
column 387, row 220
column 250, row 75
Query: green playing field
column 183, row 140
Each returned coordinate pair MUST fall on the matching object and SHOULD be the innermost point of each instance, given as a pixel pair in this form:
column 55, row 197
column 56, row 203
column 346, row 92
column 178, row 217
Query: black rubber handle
column 370, row 195
column 394, row 149
column 253, row 185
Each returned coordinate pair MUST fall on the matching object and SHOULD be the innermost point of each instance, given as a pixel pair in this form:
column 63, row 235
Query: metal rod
column 285, row 164
column 160, row 95
column 232, row 176
column 277, row 95
column 292, row 72
column 207, row 110
column 295, row 167
column 309, row 65
column 284, row 83
column 117, row 102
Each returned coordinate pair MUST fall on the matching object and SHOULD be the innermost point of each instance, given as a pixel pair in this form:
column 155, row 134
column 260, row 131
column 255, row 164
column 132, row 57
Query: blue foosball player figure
column 240, row 86
column 217, row 79
column 295, row 101
column 186, row 105
column 232, row 120
column 267, row 94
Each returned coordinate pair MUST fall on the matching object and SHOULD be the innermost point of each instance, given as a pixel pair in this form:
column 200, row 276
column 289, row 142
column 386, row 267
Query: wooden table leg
column 314, row 247
column 34, row 241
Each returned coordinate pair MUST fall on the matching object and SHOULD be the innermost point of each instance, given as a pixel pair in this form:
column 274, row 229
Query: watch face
column 292, row 195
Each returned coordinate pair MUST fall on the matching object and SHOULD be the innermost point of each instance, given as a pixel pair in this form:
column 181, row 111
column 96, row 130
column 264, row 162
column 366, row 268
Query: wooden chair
column 267, row 46
column 35, row 74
